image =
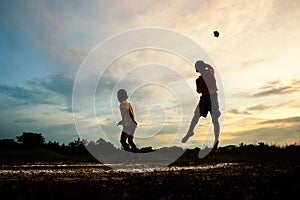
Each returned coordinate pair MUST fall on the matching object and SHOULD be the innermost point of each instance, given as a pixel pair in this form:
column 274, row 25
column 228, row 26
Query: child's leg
column 131, row 143
column 130, row 138
column 194, row 121
column 215, row 114
column 215, row 121
column 123, row 141
column 193, row 124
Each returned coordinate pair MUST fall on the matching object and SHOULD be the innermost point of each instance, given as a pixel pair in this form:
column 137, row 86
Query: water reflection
column 73, row 169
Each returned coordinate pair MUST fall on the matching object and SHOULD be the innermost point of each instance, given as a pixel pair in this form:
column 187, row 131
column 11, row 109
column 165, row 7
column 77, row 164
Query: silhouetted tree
column 146, row 149
column 31, row 139
column 8, row 144
column 75, row 143
column 53, row 145
column 77, row 146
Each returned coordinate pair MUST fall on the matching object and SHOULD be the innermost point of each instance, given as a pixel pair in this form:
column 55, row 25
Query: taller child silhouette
column 206, row 86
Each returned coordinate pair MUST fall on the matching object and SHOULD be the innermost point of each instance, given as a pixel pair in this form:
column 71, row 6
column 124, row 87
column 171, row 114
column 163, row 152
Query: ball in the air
column 216, row 33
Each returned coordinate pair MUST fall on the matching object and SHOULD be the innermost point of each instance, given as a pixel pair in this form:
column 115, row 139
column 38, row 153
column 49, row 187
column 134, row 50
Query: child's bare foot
column 188, row 135
column 215, row 147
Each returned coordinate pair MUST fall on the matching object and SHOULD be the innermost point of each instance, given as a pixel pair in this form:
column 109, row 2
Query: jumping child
column 206, row 85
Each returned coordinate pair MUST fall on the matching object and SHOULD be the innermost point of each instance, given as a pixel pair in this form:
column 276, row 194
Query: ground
column 269, row 180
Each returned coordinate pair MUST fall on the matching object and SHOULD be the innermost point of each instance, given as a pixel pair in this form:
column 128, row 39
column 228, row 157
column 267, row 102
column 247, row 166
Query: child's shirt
column 206, row 84
column 127, row 114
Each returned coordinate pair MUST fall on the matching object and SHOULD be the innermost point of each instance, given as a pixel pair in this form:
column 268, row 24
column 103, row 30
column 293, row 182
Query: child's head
column 122, row 95
column 201, row 66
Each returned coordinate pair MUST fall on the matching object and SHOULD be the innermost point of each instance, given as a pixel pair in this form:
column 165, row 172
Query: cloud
column 284, row 120
column 275, row 87
column 248, row 130
column 275, row 90
column 249, row 64
column 237, row 111
column 25, row 96
column 25, row 120
column 52, row 90
column 281, row 131
column 59, row 84
column 63, row 32
column 278, row 135
column 259, row 107
column 250, row 109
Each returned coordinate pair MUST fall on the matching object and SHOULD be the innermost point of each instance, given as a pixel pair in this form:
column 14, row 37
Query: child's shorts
column 209, row 103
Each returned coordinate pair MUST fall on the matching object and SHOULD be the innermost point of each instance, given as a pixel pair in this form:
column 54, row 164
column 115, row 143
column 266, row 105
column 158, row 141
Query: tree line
column 33, row 146
column 35, row 140
column 30, row 140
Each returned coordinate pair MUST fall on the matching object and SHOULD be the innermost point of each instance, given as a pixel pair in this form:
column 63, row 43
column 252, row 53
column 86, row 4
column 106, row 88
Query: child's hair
column 202, row 66
column 122, row 95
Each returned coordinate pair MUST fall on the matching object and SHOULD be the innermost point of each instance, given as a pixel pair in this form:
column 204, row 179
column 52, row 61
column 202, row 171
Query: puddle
column 98, row 168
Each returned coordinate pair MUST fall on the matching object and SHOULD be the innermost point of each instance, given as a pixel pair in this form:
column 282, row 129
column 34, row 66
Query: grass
column 245, row 153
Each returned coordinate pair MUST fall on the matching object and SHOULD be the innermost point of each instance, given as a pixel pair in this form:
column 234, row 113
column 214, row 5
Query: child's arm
column 122, row 110
column 131, row 113
column 199, row 83
column 120, row 123
column 123, row 114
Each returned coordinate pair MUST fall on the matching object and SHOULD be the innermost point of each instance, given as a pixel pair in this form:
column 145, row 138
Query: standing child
column 206, row 85
column 128, row 122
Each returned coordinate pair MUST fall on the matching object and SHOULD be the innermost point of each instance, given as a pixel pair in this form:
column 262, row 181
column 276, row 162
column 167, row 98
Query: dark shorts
column 210, row 104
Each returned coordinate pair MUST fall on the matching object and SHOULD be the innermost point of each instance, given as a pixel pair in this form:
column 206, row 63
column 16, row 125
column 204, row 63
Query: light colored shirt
column 127, row 114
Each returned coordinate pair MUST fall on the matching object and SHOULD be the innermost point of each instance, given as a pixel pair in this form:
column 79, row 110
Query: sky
column 46, row 47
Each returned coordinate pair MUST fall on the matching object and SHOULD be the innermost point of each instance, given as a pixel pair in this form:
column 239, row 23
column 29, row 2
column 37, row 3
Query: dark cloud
column 25, row 120
column 15, row 92
column 25, row 95
column 259, row 107
column 251, row 109
column 296, row 82
column 67, row 109
column 281, row 131
column 59, row 84
column 237, row 111
column 283, row 120
column 262, row 107
column 52, row 90
column 280, row 135
column 276, row 87
column 274, row 90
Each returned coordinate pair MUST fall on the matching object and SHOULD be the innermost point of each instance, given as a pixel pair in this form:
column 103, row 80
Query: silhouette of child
column 206, row 85
column 128, row 122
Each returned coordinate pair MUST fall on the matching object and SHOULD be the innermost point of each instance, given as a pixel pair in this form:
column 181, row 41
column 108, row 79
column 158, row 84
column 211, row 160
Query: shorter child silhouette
column 128, row 122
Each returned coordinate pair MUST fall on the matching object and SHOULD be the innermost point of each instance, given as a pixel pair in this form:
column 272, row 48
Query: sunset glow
column 44, row 43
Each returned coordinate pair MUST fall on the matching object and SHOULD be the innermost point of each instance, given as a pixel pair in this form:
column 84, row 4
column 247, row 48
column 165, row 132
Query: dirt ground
column 238, row 181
